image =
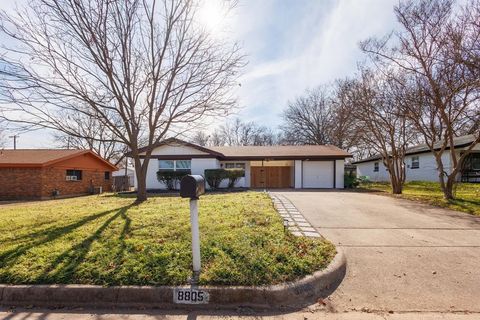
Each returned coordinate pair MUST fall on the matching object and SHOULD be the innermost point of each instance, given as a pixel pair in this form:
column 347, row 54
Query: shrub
column 350, row 181
column 364, row 179
column 233, row 175
column 215, row 176
column 170, row 178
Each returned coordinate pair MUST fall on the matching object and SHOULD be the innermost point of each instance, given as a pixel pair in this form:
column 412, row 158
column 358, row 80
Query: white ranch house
column 421, row 165
column 265, row 166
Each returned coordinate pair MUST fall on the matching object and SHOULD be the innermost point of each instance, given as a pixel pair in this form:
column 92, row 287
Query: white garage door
column 318, row 174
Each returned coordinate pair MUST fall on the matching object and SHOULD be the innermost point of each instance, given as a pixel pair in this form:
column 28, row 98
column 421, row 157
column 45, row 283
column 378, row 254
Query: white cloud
column 321, row 47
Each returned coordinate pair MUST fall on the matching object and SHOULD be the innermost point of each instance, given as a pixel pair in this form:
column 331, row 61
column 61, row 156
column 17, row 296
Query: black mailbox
column 192, row 186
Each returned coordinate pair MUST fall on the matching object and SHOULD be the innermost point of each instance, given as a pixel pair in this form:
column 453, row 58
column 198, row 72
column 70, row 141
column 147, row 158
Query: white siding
column 298, row 174
column 366, row 169
column 318, row 174
column 152, row 181
column 427, row 170
column 340, row 171
column 199, row 165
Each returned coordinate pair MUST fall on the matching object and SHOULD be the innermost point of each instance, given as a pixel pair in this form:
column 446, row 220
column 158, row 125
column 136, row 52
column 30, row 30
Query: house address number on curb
column 190, row 296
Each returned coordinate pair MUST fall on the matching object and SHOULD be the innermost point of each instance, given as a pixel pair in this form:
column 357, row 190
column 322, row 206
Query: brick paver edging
column 292, row 294
column 293, row 218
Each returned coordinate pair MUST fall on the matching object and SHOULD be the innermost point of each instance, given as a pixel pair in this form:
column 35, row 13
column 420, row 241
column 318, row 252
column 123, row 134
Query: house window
column 74, row 175
column 235, row 166
column 175, row 165
column 166, row 164
column 107, row 175
column 415, row 162
column 475, row 163
column 375, row 167
column 183, row 165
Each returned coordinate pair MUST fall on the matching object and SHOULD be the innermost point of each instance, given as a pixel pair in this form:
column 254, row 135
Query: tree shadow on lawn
column 42, row 237
column 63, row 268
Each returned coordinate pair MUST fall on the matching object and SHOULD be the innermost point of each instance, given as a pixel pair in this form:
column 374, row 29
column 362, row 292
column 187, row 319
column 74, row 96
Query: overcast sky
column 291, row 45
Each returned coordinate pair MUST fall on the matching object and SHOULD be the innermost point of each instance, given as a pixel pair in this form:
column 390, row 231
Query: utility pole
column 15, row 136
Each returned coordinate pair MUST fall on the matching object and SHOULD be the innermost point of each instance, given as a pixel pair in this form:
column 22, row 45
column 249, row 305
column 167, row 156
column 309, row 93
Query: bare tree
column 321, row 116
column 239, row 133
column 92, row 135
column 345, row 131
column 307, row 120
column 201, row 138
column 217, row 139
column 385, row 128
column 445, row 102
column 143, row 69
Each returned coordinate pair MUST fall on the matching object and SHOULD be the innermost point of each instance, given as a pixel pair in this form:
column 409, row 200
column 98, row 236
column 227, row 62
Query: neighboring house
column 45, row 174
column 421, row 165
column 130, row 173
column 265, row 166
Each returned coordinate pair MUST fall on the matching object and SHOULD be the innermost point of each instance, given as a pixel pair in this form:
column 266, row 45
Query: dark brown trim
column 334, row 174
column 294, row 172
column 262, row 158
column 181, row 157
column 302, row 175
column 240, row 158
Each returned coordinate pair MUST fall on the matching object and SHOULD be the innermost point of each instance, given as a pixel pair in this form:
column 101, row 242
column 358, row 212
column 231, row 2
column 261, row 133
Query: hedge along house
column 44, row 173
column 421, row 165
column 264, row 166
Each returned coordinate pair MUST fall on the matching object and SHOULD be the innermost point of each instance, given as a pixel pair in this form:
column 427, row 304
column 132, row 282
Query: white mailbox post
column 192, row 186
column 197, row 265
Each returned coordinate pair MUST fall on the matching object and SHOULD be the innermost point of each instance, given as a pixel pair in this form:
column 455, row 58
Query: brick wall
column 39, row 183
column 54, row 179
column 20, row 183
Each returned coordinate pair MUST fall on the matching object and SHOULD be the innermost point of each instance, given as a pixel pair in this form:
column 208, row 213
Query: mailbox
column 192, row 186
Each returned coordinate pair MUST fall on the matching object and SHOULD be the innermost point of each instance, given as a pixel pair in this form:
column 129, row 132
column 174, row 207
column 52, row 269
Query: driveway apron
column 401, row 255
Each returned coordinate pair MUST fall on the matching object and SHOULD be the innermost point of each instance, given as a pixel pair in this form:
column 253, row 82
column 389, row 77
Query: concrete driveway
column 401, row 255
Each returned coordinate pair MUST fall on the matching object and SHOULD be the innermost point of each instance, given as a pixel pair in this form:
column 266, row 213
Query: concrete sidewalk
column 402, row 256
column 25, row 314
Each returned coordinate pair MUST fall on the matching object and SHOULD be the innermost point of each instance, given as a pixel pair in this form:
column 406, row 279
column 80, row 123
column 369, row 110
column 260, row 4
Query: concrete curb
column 292, row 294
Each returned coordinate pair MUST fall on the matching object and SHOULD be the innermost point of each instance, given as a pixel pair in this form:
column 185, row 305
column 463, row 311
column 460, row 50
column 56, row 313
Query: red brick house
column 46, row 174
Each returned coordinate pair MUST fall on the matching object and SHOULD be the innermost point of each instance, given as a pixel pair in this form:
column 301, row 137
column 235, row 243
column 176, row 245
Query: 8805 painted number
column 190, row 296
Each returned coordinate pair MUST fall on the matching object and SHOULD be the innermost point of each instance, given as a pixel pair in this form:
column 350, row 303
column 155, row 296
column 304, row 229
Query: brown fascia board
column 266, row 158
column 244, row 158
column 182, row 157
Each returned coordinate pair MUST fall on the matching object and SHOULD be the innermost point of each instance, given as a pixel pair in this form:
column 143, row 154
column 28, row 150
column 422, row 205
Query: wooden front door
column 271, row 177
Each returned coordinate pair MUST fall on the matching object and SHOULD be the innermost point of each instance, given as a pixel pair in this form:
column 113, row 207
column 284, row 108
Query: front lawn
column 467, row 194
column 107, row 240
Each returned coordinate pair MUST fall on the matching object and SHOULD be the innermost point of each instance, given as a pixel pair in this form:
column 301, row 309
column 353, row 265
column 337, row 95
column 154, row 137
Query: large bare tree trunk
column 141, row 169
column 141, row 185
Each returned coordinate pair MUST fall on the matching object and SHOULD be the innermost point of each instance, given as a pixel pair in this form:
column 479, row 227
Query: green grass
column 107, row 240
column 467, row 194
